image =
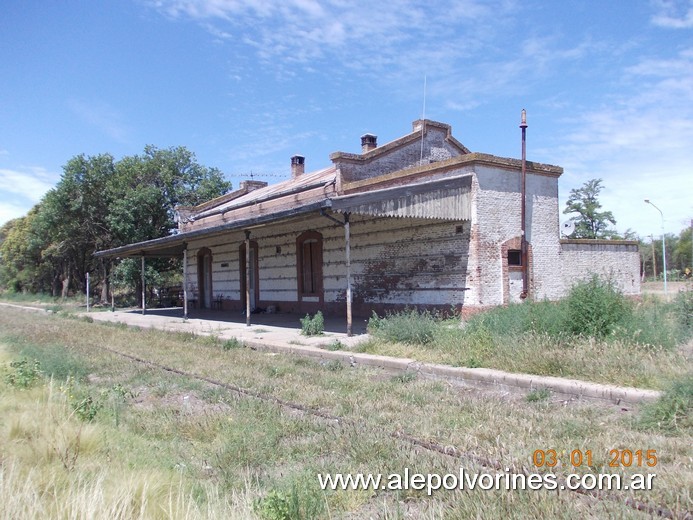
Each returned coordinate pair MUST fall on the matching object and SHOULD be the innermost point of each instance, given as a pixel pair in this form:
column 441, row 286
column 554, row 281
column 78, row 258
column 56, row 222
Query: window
column 514, row 257
column 309, row 263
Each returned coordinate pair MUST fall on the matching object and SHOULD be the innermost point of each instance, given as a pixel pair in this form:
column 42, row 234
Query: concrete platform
column 283, row 328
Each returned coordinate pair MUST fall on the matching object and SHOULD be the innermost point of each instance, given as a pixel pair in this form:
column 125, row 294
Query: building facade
column 418, row 222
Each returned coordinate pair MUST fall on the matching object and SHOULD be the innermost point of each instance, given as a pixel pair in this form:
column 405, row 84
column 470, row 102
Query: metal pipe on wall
column 247, row 278
column 185, row 282
column 144, row 298
column 347, row 239
column 523, row 240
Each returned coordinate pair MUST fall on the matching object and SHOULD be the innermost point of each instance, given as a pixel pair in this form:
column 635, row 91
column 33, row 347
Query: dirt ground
column 673, row 287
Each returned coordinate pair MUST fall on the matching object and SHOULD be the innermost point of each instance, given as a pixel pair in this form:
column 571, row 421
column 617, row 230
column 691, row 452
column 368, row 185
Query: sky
column 246, row 84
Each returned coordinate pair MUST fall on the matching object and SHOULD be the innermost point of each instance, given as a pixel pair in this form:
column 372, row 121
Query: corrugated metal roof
column 448, row 199
column 275, row 191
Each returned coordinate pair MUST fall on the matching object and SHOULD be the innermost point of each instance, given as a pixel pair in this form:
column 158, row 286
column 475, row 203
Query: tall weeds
column 635, row 343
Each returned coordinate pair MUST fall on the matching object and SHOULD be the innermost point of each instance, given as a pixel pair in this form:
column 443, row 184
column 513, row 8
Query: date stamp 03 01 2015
column 617, row 458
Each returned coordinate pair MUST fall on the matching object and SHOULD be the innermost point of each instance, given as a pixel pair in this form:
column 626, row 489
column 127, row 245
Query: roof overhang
column 174, row 245
column 446, row 199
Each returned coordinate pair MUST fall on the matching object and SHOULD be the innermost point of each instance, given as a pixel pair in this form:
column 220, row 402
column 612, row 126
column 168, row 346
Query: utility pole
column 664, row 246
column 654, row 258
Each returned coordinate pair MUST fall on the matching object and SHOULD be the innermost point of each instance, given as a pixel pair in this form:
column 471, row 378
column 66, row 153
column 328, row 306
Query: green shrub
column 673, row 411
column 335, row 345
column 23, row 373
column 683, row 305
column 275, row 506
column 652, row 323
column 538, row 394
column 334, row 366
column 231, row 344
column 479, row 343
column 374, row 323
column 86, row 407
column 409, row 326
column 314, row 326
column 298, row 503
column 405, row 377
column 595, row 308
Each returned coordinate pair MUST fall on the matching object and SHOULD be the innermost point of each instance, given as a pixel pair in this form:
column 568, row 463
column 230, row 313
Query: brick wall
column 412, row 261
column 395, row 262
column 436, row 148
column 496, row 227
column 615, row 260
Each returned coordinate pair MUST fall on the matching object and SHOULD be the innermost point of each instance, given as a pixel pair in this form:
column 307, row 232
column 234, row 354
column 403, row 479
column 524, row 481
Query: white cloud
column 102, row 116
column 639, row 143
column 30, row 184
column 21, row 189
column 673, row 14
column 355, row 34
column 10, row 211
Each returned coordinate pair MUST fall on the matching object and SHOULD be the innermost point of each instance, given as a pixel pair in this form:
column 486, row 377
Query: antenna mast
column 423, row 122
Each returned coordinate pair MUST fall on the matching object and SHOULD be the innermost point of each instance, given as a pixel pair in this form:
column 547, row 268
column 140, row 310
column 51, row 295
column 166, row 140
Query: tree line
column 100, row 203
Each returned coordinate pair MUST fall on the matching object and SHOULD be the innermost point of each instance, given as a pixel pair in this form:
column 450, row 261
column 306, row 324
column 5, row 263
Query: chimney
column 368, row 142
column 298, row 165
column 249, row 186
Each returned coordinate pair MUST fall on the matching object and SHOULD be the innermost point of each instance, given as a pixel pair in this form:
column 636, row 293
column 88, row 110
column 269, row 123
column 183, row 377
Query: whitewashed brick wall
column 611, row 260
column 496, row 219
column 427, row 262
column 435, row 149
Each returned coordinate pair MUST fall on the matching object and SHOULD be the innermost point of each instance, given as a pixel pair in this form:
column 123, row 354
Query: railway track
column 659, row 511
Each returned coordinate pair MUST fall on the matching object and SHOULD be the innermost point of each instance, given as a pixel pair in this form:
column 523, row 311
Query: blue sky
column 246, row 84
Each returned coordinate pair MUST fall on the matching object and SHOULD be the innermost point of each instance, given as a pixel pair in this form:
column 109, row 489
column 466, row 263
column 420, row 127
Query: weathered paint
column 618, row 262
column 392, row 261
column 431, row 231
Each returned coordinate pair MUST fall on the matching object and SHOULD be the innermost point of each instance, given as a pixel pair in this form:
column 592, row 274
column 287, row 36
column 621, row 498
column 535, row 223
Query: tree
column 73, row 219
column 146, row 189
column 21, row 265
column 683, row 250
column 99, row 204
column 590, row 222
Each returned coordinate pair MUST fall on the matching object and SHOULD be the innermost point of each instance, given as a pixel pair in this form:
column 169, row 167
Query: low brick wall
column 615, row 260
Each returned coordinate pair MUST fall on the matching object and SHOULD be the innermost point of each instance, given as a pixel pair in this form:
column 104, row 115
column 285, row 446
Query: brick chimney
column 298, row 166
column 249, row 186
column 368, row 142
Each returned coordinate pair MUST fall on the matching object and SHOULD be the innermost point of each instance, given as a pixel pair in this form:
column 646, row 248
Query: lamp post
column 664, row 248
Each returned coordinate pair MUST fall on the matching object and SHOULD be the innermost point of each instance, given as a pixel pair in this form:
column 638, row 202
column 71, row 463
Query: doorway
column 204, row 278
column 254, row 275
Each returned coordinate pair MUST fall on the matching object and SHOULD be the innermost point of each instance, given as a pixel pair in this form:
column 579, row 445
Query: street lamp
column 664, row 248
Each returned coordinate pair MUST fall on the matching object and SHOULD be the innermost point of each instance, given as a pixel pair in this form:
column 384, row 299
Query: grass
column 673, row 411
column 44, row 301
column 537, row 395
column 175, row 447
column 641, row 344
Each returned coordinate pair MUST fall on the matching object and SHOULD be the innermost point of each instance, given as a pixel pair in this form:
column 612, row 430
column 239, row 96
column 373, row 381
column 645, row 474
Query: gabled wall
column 434, row 144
